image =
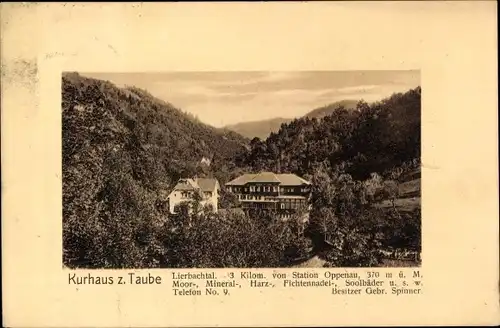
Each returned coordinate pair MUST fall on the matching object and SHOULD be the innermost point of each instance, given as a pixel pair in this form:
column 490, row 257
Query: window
column 258, row 188
column 252, row 188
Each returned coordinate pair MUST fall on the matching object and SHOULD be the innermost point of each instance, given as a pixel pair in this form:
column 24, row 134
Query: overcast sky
column 222, row 98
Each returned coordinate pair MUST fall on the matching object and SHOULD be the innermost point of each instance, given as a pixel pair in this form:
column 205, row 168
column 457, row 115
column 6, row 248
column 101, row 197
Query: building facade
column 186, row 191
column 286, row 194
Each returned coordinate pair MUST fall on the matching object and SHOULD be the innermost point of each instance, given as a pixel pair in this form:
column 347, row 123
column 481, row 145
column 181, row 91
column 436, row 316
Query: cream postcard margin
column 454, row 46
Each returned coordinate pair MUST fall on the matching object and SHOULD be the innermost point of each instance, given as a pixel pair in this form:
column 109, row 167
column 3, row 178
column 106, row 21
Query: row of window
column 187, row 194
column 282, row 206
column 259, row 197
column 266, row 189
column 270, row 206
column 290, row 205
column 254, row 197
column 263, row 188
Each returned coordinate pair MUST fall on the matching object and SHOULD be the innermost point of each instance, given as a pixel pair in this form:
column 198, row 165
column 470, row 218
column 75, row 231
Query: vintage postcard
column 249, row 164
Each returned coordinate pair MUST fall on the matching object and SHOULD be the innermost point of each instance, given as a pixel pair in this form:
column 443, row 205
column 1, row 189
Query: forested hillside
column 364, row 164
column 122, row 150
column 262, row 129
column 371, row 138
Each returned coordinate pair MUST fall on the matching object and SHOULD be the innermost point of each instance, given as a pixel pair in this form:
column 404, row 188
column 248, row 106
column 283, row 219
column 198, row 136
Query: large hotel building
column 284, row 193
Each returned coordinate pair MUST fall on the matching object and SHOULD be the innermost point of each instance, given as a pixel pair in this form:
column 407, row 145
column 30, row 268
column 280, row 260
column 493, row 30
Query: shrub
column 232, row 241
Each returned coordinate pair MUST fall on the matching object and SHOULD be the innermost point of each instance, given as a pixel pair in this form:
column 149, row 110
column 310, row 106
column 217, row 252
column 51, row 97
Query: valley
column 124, row 150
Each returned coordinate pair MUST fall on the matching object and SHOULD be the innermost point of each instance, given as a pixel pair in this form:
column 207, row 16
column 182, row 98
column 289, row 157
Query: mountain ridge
column 99, row 116
column 260, row 129
column 263, row 128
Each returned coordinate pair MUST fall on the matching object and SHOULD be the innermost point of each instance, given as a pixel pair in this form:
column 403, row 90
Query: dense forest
column 370, row 138
column 123, row 150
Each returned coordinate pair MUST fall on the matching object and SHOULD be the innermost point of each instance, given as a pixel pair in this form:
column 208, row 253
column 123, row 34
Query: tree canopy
column 123, row 150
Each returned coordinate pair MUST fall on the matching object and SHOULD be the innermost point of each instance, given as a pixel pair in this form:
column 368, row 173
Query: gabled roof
column 186, row 185
column 286, row 179
column 241, row 180
column 207, row 184
column 199, row 184
column 267, row 177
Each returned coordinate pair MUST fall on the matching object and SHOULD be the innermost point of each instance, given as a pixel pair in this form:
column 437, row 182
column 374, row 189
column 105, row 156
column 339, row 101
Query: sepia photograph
column 241, row 169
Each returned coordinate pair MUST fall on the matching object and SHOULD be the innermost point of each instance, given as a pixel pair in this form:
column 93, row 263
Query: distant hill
column 328, row 109
column 262, row 129
column 375, row 138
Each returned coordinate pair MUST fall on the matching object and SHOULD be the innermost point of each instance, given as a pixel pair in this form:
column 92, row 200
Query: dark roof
column 285, row 179
column 207, row 184
column 185, row 184
column 199, row 184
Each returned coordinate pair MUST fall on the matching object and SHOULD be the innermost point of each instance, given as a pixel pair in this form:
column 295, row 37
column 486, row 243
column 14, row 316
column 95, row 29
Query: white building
column 185, row 189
